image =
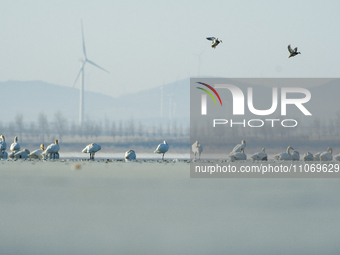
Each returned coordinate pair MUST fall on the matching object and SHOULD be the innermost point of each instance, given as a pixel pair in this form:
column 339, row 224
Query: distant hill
column 32, row 97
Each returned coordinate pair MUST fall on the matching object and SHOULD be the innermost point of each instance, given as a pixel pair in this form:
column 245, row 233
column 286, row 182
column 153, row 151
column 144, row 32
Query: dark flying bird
column 215, row 41
column 292, row 52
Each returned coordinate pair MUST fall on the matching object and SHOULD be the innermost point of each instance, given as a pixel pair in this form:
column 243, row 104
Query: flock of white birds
column 52, row 151
column 238, row 154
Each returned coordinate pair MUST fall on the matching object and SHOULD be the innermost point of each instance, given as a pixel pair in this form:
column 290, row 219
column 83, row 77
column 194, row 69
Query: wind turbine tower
column 161, row 108
column 170, row 106
column 81, row 71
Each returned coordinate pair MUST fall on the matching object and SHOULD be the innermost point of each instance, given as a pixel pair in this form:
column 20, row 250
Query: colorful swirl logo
column 209, row 93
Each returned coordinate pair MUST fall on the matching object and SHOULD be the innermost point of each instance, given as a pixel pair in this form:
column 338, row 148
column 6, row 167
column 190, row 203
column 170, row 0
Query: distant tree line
column 60, row 127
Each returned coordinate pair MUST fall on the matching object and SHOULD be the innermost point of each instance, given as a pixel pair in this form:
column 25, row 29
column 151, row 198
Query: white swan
column 284, row 155
column 327, row 155
column 238, row 147
column 162, row 148
column 52, row 150
column 308, row 156
column 130, row 155
column 262, row 155
column 337, row 157
column 22, row 154
column 317, row 156
column 296, row 155
column 3, row 147
column 237, row 156
column 92, row 149
column 15, row 146
column 197, row 148
column 215, row 41
column 38, row 154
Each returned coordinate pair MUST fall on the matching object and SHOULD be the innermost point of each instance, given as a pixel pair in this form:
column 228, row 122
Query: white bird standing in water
column 337, row 157
column 52, row 150
column 15, row 146
column 284, row 155
column 238, row 147
column 215, row 41
column 38, row 154
column 162, row 148
column 92, row 149
column 296, row 155
column 130, row 155
column 3, row 147
column 308, row 156
column 197, row 148
column 238, row 156
column 262, row 155
column 317, row 156
column 327, row 155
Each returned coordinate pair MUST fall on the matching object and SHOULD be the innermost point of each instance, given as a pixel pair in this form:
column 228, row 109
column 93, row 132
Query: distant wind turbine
column 81, row 71
column 161, row 108
column 170, row 105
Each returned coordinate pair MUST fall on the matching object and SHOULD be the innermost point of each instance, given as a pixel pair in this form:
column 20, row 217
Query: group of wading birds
column 238, row 154
column 52, row 151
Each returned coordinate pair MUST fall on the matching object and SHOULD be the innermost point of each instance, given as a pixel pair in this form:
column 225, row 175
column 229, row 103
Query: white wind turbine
column 81, row 71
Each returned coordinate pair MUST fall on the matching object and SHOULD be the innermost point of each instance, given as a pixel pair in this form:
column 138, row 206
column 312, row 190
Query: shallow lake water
column 83, row 207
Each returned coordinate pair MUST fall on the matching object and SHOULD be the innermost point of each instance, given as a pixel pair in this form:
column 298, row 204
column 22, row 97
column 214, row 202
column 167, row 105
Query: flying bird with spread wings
column 292, row 52
column 215, row 41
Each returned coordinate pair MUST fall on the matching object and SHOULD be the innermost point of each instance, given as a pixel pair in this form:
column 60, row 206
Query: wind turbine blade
column 97, row 65
column 81, row 69
column 82, row 32
column 198, row 55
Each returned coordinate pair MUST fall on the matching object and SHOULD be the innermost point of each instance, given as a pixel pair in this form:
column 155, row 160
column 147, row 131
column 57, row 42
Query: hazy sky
column 146, row 43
